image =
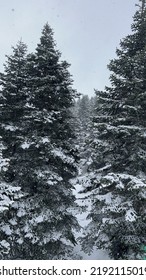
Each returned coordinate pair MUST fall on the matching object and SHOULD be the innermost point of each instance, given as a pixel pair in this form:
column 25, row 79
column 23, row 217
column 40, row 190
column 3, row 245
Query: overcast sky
column 87, row 33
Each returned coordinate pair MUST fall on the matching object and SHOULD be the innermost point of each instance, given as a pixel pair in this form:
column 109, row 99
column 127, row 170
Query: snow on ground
column 84, row 200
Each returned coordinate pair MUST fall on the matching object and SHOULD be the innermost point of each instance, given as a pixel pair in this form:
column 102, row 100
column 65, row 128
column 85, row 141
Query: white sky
column 87, row 32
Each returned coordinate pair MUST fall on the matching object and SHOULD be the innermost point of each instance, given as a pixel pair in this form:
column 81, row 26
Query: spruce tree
column 84, row 111
column 50, row 144
column 44, row 160
column 12, row 106
column 13, row 100
column 118, row 221
column 9, row 194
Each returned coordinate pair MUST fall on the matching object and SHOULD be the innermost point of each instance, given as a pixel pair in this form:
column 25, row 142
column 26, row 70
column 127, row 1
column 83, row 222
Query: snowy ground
column 82, row 199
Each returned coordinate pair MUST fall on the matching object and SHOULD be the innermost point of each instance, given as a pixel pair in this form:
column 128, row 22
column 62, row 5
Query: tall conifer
column 38, row 140
column 118, row 213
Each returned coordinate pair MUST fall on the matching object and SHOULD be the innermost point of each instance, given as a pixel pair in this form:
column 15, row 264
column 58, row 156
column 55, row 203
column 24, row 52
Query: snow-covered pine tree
column 52, row 149
column 84, row 111
column 9, row 194
column 118, row 221
column 13, row 100
column 45, row 158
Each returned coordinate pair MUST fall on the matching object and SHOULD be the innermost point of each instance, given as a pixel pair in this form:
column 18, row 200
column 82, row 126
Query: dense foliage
column 38, row 143
column 118, row 166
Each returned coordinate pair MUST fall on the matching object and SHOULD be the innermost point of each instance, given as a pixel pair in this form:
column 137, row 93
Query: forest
column 73, row 168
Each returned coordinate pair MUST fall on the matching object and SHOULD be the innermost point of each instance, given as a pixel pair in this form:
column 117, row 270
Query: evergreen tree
column 12, row 103
column 44, row 158
column 118, row 212
column 8, row 195
column 84, row 111
column 13, row 99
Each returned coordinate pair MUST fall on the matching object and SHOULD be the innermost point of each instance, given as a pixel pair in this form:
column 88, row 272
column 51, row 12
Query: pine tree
column 13, row 99
column 84, row 111
column 51, row 145
column 9, row 194
column 44, row 158
column 118, row 221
